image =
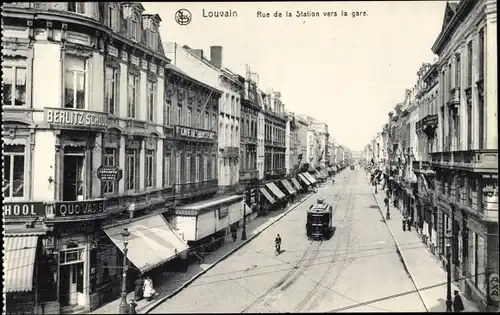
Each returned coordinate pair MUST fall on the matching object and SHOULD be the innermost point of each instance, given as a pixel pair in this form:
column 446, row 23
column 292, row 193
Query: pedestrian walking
column 409, row 222
column 139, row 287
column 458, row 305
column 149, row 291
column 404, row 224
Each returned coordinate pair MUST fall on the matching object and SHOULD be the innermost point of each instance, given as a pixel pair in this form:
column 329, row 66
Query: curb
column 196, row 276
column 400, row 254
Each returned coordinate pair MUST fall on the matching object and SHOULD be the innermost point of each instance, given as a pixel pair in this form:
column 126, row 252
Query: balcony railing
column 251, row 140
column 195, row 189
column 249, row 174
column 231, row 152
column 421, row 166
column 477, row 160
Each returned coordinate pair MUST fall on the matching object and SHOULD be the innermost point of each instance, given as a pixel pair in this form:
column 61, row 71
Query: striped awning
column 152, row 241
column 267, row 195
column 304, row 179
column 288, row 186
column 20, row 256
column 296, row 183
column 310, row 178
column 275, row 190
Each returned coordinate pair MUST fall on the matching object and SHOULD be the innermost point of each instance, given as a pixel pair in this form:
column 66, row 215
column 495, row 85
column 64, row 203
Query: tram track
column 303, row 304
column 266, row 299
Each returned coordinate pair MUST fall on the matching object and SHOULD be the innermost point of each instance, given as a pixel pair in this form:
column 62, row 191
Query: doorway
column 71, row 289
column 73, row 176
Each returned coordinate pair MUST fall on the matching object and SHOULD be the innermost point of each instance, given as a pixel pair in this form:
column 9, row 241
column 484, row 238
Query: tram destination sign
column 23, row 209
column 109, row 173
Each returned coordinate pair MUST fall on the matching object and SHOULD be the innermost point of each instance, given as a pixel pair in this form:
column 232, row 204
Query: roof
column 178, row 71
column 320, row 208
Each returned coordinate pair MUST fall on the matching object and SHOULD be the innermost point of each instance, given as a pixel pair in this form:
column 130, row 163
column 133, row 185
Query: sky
column 347, row 71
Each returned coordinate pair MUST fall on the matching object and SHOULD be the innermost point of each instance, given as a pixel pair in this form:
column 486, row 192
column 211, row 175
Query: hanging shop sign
column 78, row 208
column 109, row 173
column 63, row 117
column 23, row 209
column 494, row 287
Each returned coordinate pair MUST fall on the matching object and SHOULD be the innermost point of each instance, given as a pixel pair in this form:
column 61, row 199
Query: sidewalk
column 172, row 282
column 424, row 269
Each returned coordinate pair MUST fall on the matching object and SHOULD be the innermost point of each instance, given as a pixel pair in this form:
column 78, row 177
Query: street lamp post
column 123, row 302
column 448, row 271
column 244, row 232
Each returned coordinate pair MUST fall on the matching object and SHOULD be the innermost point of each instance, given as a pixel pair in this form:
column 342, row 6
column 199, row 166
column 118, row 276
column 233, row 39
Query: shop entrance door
column 74, row 181
column 72, row 284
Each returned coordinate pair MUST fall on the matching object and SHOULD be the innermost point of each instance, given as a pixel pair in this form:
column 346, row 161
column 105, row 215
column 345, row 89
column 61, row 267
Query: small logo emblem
column 183, row 17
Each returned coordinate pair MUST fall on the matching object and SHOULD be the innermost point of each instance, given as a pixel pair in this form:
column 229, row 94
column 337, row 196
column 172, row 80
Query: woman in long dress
column 149, row 291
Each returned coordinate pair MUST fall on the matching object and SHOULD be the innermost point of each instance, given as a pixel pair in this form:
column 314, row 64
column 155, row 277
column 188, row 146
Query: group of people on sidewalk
column 407, row 223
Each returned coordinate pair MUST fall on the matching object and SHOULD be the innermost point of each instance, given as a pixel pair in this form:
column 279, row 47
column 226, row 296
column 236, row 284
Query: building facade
column 251, row 103
column 232, row 87
column 98, row 128
column 261, row 133
column 274, row 141
column 466, row 160
column 292, row 147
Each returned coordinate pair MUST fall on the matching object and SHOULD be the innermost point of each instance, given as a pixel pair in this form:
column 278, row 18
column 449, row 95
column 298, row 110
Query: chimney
column 198, row 53
column 216, row 56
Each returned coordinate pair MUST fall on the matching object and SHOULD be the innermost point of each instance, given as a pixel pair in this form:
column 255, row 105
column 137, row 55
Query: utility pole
column 123, row 303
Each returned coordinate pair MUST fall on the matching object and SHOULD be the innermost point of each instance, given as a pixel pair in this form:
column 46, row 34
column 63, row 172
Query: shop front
column 267, row 202
column 279, row 196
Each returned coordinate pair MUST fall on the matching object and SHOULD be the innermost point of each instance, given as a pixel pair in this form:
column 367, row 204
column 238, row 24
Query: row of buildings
column 107, row 127
column 439, row 149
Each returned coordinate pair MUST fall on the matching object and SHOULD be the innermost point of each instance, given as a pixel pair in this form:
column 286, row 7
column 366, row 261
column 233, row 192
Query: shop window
column 77, row 7
column 133, row 95
column 150, row 169
column 189, row 115
column 14, row 82
column 72, row 256
column 110, row 104
column 166, row 171
column 168, row 109
column 188, row 169
column 205, row 168
column 75, row 86
column 131, row 168
column 197, row 168
column 110, row 159
column 14, row 169
column 151, row 100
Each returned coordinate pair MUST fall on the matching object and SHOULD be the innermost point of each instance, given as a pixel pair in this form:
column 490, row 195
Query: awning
column 310, row 178
column 288, row 186
column 304, row 179
column 275, row 190
column 267, row 195
column 152, row 241
column 20, row 255
column 296, row 183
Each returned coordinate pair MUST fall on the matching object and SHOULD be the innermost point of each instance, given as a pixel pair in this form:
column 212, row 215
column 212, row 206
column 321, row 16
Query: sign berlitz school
column 64, row 117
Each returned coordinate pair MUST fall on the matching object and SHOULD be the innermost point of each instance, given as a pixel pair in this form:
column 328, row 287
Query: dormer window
column 153, row 38
column 133, row 30
column 112, row 17
column 77, row 7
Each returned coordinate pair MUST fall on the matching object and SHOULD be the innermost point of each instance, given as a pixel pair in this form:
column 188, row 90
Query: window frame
column 112, row 184
column 136, row 174
column 187, row 169
column 189, row 117
column 10, row 181
column 134, row 26
column 178, row 115
column 151, row 100
column 167, row 119
column 167, row 164
column 135, row 87
column 197, row 168
column 84, row 7
column 115, row 82
column 14, row 64
column 76, row 73
column 149, row 164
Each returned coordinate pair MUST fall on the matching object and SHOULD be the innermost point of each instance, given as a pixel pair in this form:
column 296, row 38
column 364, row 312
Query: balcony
column 195, row 189
column 251, row 140
column 249, row 175
column 485, row 161
column 280, row 172
column 231, row 152
column 229, row 189
column 421, row 167
column 196, row 134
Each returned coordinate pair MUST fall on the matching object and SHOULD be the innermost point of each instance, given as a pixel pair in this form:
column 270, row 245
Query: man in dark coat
column 458, row 306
